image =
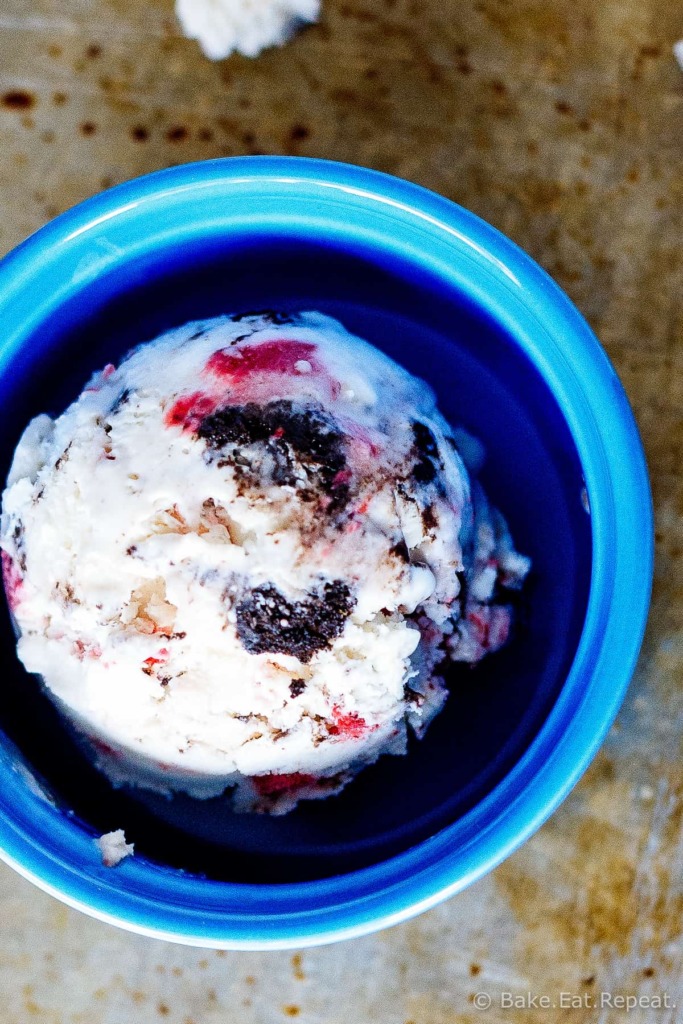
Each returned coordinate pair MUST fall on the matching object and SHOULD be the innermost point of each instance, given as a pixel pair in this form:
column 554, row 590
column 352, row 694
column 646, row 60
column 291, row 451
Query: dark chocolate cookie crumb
column 429, row 520
column 120, row 401
column 295, row 437
column 267, row 623
column 19, row 544
column 412, row 696
column 427, row 453
column 64, row 457
column 297, row 687
column 400, row 550
column 271, row 316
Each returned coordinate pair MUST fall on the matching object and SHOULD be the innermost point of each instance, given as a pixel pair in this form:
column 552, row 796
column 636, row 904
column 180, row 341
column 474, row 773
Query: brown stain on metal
column 122, row 105
column 18, row 99
column 612, row 249
column 291, row 1010
column 297, row 967
column 299, row 132
column 177, row 133
column 624, row 906
column 439, row 1009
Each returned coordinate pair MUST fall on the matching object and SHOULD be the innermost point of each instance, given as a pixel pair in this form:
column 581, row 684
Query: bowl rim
column 53, row 851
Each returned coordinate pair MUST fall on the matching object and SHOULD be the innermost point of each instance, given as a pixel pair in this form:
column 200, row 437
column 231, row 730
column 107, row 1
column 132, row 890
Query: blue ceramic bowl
column 513, row 361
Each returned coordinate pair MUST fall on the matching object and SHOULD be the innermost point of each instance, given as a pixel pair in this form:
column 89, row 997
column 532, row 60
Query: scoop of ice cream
column 240, row 558
column 114, row 848
column 246, row 26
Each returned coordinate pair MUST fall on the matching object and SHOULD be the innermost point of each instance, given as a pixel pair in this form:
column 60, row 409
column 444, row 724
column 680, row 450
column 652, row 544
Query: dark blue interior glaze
column 532, row 473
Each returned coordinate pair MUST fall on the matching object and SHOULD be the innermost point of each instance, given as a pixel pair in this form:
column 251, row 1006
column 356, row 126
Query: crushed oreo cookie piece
column 19, row 544
column 121, row 399
column 267, row 623
column 429, row 519
column 296, row 438
column 427, row 453
column 271, row 316
column 400, row 550
column 297, row 687
column 64, row 457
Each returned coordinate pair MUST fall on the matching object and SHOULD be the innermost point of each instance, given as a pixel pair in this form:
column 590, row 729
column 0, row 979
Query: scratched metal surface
column 562, row 124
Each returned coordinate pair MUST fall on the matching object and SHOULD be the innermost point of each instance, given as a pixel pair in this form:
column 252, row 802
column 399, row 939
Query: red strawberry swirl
column 12, row 580
column 255, row 372
column 267, row 785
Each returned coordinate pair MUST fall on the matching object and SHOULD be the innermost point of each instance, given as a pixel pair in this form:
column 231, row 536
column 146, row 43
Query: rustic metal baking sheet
column 562, row 123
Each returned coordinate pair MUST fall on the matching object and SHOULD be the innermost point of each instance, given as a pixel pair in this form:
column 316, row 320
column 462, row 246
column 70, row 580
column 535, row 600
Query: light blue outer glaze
column 322, row 200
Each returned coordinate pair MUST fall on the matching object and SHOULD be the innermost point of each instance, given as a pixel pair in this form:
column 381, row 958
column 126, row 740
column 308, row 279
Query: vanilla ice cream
column 245, row 26
column 239, row 559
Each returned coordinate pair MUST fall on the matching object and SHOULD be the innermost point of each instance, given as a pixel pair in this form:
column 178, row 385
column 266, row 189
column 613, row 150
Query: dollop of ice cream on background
column 247, row 26
column 239, row 559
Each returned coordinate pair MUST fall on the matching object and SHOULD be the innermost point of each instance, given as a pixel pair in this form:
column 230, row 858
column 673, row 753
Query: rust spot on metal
column 18, row 99
column 177, row 133
column 297, row 967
